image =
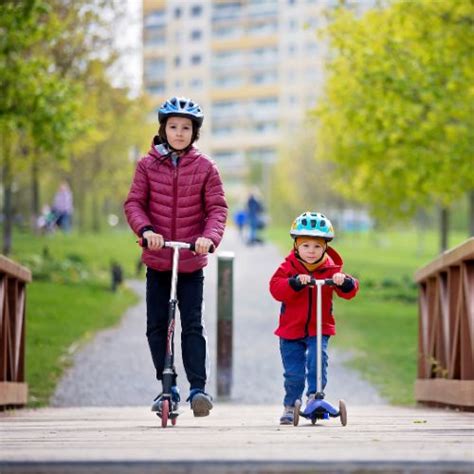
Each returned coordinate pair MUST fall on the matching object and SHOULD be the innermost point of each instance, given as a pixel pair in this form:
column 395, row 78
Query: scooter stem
column 319, row 337
column 174, row 273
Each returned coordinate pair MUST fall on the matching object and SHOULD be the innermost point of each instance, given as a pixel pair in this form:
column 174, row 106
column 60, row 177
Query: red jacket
column 181, row 203
column 298, row 309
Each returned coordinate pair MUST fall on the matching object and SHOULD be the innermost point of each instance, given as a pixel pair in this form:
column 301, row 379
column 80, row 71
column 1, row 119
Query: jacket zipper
column 308, row 318
column 175, row 201
column 310, row 304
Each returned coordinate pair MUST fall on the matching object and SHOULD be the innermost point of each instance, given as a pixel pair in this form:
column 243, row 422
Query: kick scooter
column 167, row 406
column 318, row 408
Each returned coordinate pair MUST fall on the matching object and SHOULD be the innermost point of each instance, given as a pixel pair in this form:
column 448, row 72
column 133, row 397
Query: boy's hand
column 155, row 241
column 203, row 245
column 338, row 278
column 304, row 279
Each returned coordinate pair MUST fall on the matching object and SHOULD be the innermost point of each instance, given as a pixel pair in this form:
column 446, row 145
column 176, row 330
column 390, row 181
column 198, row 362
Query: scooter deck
column 319, row 409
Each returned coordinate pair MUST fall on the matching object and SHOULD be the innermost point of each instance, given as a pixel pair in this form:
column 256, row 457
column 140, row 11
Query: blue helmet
column 312, row 224
column 181, row 107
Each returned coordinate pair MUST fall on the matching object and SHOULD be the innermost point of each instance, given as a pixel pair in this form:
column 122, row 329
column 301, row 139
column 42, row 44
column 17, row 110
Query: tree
column 397, row 117
column 36, row 108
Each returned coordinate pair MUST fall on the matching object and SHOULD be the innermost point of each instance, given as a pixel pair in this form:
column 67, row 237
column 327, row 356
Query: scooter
column 318, row 408
column 167, row 407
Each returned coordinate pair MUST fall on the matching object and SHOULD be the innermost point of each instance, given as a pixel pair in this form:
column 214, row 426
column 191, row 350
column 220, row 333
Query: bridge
column 102, row 423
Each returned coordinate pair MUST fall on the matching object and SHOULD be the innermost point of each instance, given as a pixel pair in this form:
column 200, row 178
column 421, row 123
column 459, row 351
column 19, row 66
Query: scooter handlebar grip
column 330, row 281
column 142, row 242
column 212, row 248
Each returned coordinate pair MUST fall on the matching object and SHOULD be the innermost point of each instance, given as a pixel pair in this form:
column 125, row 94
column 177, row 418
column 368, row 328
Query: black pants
column 193, row 342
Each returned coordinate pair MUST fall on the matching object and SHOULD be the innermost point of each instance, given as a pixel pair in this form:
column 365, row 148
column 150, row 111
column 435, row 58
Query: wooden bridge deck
column 235, row 438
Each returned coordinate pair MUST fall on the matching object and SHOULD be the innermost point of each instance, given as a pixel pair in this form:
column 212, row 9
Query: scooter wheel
column 165, row 411
column 343, row 412
column 313, row 421
column 173, row 420
column 296, row 413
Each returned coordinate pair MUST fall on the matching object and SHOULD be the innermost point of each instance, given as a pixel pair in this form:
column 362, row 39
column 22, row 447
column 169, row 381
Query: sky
column 129, row 44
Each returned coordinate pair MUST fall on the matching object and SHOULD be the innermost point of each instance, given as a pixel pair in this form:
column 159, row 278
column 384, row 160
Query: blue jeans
column 299, row 363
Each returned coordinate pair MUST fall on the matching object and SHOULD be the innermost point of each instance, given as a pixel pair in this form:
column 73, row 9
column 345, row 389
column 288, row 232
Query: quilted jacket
column 180, row 202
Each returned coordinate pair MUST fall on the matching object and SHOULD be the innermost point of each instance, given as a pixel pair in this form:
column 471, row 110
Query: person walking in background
column 311, row 257
column 177, row 194
column 63, row 207
column 255, row 218
column 240, row 218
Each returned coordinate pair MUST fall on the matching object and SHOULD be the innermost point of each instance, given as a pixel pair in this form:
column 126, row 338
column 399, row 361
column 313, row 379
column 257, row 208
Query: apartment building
column 255, row 66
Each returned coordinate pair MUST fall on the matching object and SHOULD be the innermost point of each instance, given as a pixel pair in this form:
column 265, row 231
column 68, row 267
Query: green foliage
column 69, row 298
column 77, row 257
column 397, row 113
column 35, row 100
column 61, row 117
column 47, row 268
column 59, row 318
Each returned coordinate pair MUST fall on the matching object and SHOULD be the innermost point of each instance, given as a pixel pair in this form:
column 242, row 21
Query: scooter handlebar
column 325, row 281
column 143, row 242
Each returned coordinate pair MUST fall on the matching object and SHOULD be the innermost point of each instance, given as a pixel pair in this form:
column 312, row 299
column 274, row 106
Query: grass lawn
column 380, row 326
column 69, row 298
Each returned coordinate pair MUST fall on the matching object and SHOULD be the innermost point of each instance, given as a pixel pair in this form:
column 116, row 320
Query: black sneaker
column 201, row 402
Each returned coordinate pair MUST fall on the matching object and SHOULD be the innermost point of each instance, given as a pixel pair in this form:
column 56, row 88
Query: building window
column 196, row 10
column 154, row 68
column 196, row 35
column 196, row 59
column 155, row 18
column 228, row 81
column 226, row 11
column 177, row 12
column 177, row 61
column 292, row 24
column 156, row 89
column 196, row 84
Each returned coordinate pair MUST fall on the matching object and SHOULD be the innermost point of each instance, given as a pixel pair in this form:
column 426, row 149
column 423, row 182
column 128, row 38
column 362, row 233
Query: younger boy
column 311, row 257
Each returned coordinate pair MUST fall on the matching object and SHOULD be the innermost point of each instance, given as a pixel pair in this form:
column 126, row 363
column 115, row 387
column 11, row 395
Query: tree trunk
column 35, row 193
column 421, row 226
column 444, row 228
column 7, row 205
column 95, row 213
column 471, row 213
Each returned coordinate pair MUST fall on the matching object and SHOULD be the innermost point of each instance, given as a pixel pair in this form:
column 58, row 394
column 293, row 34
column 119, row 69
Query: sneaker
column 175, row 399
column 201, row 402
column 287, row 417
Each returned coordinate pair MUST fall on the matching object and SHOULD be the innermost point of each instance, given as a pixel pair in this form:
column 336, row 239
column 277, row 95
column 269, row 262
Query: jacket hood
column 334, row 259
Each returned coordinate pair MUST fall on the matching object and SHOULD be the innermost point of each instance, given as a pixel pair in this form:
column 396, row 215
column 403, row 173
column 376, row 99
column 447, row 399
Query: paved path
column 115, row 368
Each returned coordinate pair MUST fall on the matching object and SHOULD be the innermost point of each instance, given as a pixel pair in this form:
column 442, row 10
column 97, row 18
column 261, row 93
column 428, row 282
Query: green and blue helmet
column 312, row 224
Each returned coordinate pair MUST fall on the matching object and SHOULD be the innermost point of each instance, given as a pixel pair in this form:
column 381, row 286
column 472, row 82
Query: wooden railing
column 13, row 280
column 446, row 329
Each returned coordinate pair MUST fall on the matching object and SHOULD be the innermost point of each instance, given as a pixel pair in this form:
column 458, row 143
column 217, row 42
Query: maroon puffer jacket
column 181, row 203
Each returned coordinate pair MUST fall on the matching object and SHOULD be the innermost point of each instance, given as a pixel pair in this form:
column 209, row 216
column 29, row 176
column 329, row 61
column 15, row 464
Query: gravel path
column 115, row 368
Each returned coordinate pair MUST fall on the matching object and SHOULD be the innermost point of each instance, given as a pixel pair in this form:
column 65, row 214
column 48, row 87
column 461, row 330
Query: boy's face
column 311, row 250
column 179, row 132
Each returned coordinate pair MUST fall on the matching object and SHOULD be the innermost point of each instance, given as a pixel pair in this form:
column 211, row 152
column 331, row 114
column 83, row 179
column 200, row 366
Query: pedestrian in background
column 177, row 194
column 255, row 219
column 240, row 219
column 63, row 207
